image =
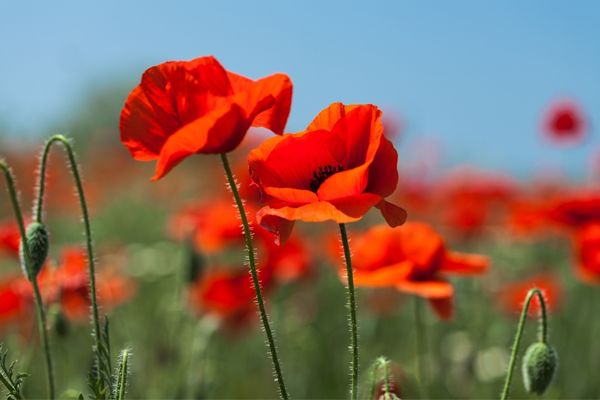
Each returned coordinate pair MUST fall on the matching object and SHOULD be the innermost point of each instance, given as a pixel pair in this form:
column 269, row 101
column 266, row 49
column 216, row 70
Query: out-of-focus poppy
column 337, row 169
column 471, row 198
column 575, row 210
column 564, row 122
column 214, row 226
column 12, row 303
column 182, row 108
column 67, row 284
column 10, row 238
column 228, row 294
column 587, row 253
column 511, row 296
column 413, row 259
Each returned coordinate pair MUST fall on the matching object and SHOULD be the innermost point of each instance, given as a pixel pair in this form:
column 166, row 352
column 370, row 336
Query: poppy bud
column 37, row 242
column 539, row 365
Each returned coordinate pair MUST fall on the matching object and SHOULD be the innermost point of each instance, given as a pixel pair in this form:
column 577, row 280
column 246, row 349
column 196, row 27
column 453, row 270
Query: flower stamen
column 322, row 174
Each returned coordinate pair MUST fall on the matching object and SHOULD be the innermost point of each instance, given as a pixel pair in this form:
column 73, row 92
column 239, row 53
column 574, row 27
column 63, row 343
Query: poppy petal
column 431, row 289
column 328, row 117
column 381, row 277
column 281, row 228
column 292, row 196
column 465, row 264
column 383, row 174
column 442, row 307
column 344, row 184
column 293, row 162
column 202, row 136
column 394, row 215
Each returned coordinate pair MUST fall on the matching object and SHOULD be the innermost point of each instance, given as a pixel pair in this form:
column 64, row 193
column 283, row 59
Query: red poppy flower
column 564, row 122
column 587, row 250
column 182, row 108
column 413, row 259
column 10, row 238
column 12, row 303
column 227, row 294
column 512, row 296
column 337, row 169
column 576, row 210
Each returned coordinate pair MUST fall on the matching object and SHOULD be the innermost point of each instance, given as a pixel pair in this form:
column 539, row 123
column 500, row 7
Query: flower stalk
column 255, row 280
column 39, row 206
column 32, row 277
column 542, row 337
column 351, row 304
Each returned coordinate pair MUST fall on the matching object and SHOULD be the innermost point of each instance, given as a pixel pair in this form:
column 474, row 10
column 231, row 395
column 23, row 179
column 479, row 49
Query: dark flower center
column 322, row 174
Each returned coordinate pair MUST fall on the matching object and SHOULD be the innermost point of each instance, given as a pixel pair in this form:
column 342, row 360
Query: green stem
column 421, row 348
column 351, row 314
column 542, row 335
column 85, row 214
column 39, row 305
column 255, row 281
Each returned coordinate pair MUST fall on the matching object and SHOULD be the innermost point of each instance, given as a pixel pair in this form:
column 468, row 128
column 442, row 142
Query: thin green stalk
column 542, row 335
column 255, row 281
column 351, row 314
column 85, row 214
column 39, row 305
column 421, row 348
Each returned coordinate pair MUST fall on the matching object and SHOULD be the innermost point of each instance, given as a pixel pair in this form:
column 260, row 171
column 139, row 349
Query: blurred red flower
column 182, row 108
column 413, row 259
column 471, row 198
column 337, row 169
column 228, row 294
column 576, row 209
column 214, row 225
column 12, row 303
column 511, row 296
column 10, row 238
column 587, row 250
column 564, row 122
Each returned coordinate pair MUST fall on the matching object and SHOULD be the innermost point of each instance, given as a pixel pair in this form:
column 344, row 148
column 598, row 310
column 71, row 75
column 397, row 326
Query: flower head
column 412, row 258
column 337, row 169
column 182, row 108
column 564, row 122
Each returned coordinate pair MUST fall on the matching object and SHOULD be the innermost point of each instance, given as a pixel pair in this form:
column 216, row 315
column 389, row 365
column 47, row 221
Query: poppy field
column 181, row 241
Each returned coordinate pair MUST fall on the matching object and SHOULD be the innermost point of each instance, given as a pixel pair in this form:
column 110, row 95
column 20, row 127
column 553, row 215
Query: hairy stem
column 542, row 335
column 255, row 281
column 38, row 208
column 39, row 304
column 351, row 315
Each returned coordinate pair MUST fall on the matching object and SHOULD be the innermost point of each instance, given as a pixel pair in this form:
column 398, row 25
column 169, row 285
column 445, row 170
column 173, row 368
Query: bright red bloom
column 564, row 122
column 511, row 297
column 413, row 259
column 337, row 169
column 576, row 210
column 182, row 108
column 10, row 238
column 587, row 250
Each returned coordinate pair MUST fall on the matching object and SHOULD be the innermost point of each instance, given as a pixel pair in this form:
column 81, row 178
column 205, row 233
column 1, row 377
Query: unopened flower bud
column 539, row 365
column 37, row 243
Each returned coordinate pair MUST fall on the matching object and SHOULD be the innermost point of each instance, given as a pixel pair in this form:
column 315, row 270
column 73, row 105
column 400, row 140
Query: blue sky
column 474, row 76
